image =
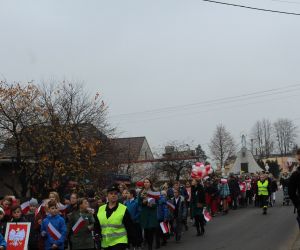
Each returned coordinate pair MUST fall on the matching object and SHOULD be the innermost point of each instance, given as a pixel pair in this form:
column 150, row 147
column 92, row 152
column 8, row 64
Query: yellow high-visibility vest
column 263, row 187
column 112, row 229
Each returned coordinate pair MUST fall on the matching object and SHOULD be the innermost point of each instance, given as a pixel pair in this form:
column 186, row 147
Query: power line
column 283, row 1
column 253, row 8
column 222, row 100
column 208, row 110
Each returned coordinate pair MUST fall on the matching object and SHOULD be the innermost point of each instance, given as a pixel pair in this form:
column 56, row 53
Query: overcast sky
column 150, row 55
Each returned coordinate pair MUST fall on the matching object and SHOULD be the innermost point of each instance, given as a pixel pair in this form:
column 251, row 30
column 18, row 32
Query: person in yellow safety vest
column 113, row 224
column 263, row 192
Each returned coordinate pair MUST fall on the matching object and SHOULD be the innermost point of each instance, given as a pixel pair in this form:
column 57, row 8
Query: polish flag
column 62, row 208
column 206, row 215
column 171, row 205
column 41, row 208
column 25, row 207
column 151, row 200
column 164, row 227
column 53, row 232
column 154, row 195
column 78, row 225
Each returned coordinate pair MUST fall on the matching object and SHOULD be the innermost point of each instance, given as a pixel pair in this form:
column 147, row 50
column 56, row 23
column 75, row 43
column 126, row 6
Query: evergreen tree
column 201, row 153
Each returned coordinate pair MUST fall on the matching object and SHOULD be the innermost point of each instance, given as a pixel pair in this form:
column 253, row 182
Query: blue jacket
column 2, row 241
column 59, row 223
column 134, row 209
column 162, row 209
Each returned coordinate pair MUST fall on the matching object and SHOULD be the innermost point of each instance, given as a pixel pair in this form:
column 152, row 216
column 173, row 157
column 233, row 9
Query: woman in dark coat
column 148, row 216
column 197, row 204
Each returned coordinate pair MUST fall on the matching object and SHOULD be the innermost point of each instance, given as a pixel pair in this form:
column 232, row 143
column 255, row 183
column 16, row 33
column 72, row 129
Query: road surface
column 244, row 229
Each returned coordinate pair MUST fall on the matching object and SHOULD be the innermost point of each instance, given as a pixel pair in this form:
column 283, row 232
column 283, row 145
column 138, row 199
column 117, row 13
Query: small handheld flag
column 53, row 232
column 78, row 225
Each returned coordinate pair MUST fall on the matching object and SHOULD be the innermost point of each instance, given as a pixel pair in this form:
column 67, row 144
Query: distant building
column 133, row 156
column 245, row 161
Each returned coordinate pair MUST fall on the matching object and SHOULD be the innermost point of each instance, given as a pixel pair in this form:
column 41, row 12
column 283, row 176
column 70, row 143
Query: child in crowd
column 2, row 221
column 30, row 217
column 6, row 205
column 16, row 213
column 134, row 210
column 81, row 233
column 54, row 228
column 179, row 213
column 2, row 243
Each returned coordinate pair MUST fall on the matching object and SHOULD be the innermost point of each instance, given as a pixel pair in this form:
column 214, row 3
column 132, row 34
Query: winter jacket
column 180, row 211
column 148, row 217
column 2, row 226
column 234, row 187
column 34, row 234
column 224, row 190
column 134, row 209
column 273, row 186
column 162, row 209
column 284, row 181
column 198, row 196
column 294, row 188
column 59, row 223
column 2, row 241
column 83, row 238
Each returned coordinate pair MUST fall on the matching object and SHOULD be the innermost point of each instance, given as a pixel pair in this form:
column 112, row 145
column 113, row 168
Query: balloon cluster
column 199, row 170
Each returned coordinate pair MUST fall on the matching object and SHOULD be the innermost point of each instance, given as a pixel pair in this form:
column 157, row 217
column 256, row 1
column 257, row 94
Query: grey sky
column 144, row 55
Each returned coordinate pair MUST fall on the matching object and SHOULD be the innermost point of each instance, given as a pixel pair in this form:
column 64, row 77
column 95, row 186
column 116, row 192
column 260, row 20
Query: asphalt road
column 244, row 229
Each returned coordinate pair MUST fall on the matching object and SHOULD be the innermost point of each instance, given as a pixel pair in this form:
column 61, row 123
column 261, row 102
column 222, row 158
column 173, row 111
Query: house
column 133, row 156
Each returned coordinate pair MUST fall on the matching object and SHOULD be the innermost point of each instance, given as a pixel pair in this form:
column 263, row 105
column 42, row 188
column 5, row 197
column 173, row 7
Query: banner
column 17, row 235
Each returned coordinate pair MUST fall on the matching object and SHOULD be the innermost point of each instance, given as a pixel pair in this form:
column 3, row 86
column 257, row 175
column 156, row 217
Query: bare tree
column 52, row 134
column 286, row 134
column 177, row 161
column 222, row 145
column 262, row 133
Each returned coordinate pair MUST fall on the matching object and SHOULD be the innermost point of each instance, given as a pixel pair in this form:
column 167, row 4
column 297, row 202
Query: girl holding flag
column 81, row 225
column 148, row 202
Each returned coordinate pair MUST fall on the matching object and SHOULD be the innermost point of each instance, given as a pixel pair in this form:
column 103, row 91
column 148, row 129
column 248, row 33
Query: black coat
column 294, row 188
column 234, row 187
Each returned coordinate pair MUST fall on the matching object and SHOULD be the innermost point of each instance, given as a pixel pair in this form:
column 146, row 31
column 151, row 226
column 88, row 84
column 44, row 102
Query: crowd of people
column 136, row 217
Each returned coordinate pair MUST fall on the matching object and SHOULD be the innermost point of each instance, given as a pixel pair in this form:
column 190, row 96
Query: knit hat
column 33, row 202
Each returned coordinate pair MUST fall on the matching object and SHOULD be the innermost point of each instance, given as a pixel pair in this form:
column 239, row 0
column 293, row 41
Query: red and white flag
column 151, row 200
column 206, row 215
column 170, row 205
column 164, row 227
column 154, row 195
column 41, row 208
column 62, row 208
column 78, row 225
column 53, row 232
column 25, row 207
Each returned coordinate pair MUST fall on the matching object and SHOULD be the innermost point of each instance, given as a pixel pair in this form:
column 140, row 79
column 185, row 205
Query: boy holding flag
column 54, row 228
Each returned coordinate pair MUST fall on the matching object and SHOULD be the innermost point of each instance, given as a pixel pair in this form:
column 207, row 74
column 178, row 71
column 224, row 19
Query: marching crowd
column 136, row 217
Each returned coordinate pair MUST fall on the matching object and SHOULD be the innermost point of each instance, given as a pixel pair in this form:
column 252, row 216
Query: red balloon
column 207, row 167
column 200, row 174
